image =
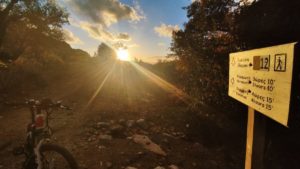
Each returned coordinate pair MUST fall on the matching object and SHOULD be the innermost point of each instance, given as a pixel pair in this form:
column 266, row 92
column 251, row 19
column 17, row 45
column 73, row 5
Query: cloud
column 161, row 44
column 134, row 45
column 71, row 38
column 166, row 30
column 105, row 12
column 123, row 36
column 99, row 32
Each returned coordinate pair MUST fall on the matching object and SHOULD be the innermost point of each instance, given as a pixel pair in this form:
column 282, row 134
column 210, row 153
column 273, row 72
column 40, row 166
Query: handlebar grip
column 14, row 103
column 44, row 104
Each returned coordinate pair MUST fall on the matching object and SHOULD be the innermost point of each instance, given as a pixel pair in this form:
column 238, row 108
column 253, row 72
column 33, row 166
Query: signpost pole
column 250, row 128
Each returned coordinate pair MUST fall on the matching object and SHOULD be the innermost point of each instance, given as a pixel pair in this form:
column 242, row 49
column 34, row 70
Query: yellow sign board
column 262, row 79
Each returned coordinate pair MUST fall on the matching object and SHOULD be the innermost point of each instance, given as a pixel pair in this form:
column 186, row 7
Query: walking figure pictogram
column 280, row 63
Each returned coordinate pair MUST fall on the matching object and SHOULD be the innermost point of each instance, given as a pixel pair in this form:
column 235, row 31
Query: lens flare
column 163, row 83
column 123, row 55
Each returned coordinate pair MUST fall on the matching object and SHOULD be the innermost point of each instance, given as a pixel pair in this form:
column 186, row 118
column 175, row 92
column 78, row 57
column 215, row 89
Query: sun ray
column 100, row 86
column 163, row 83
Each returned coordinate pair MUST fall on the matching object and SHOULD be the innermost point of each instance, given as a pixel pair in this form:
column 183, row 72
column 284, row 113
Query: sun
column 123, row 55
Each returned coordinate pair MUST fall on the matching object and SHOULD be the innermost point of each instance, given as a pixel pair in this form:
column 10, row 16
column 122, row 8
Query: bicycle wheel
column 57, row 157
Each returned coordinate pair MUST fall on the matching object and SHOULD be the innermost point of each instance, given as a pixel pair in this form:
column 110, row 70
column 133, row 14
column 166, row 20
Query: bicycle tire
column 62, row 151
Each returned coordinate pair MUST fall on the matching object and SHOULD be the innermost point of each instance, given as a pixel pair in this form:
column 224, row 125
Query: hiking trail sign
column 262, row 79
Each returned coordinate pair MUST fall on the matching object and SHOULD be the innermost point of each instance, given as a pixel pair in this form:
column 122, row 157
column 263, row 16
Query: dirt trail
column 100, row 136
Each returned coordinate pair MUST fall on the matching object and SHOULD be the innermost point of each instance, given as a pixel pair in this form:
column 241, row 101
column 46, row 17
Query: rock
column 102, row 124
column 108, row 164
column 213, row 163
column 130, row 167
column 140, row 153
column 165, row 140
column 101, row 147
column 105, row 137
column 141, row 123
column 117, row 130
column 194, row 164
column 130, row 123
column 122, row 122
column 148, row 144
column 173, row 167
column 159, row 167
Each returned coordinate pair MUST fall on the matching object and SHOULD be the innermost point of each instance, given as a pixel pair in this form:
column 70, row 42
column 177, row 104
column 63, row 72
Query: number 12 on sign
column 261, row 63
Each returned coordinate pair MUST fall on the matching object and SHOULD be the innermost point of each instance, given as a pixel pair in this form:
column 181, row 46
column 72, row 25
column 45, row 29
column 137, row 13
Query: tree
column 202, row 49
column 27, row 24
column 105, row 52
column 5, row 10
column 268, row 22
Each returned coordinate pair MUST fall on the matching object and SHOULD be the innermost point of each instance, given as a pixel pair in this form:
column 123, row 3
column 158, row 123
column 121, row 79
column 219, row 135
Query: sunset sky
column 144, row 26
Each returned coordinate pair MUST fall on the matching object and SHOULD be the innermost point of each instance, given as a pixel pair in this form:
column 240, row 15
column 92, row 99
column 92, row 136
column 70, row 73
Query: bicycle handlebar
column 44, row 104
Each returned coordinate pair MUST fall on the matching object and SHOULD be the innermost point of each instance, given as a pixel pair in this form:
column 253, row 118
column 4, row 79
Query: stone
column 130, row 123
column 101, row 147
column 122, row 122
column 142, row 124
column 140, row 153
column 105, row 137
column 173, row 167
column 194, row 164
column 129, row 167
column 140, row 121
column 102, row 124
column 108, row 164
column 148, row 144
column 159, row 167
column 117, row 130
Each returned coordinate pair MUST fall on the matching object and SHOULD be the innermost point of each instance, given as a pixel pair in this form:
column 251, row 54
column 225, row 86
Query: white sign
column 262, row 78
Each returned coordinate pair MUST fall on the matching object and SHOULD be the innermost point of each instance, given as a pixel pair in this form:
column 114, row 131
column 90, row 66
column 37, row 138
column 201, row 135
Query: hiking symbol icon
column 280, row 63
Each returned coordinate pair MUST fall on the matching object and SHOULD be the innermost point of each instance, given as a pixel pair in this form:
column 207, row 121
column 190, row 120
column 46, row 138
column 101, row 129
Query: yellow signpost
column 262, row 79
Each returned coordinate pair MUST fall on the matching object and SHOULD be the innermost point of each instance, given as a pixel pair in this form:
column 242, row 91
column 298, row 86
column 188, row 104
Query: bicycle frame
column 35, row 138
column 39, row 134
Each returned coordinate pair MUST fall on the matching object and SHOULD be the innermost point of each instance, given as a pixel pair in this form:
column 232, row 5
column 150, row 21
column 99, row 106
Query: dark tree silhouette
column 268, row 22
column 5, row 9
column 202, row 49
column 26, row 24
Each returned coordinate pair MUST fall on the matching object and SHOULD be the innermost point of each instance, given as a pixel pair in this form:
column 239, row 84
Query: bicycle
column 39, row 152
